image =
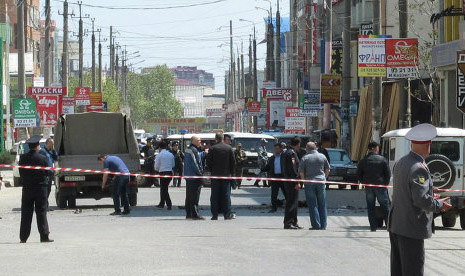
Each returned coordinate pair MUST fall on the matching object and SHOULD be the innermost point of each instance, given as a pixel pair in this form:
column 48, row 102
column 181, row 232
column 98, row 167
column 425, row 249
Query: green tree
column 150, row 95
column 110, row 93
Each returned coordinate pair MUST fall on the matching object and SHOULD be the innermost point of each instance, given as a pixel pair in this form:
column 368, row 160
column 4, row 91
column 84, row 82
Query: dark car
column 286, row 138
column 343, row 168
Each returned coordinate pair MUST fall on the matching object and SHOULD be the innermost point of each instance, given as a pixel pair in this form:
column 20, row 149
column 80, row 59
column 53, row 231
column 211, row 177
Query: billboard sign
column 81, row 94
column 402, row 58
column 295, row 123
column 279, row 93
column 331, row 88
column 68, row 105
column 254, row 108
column 309, row 103
column 49, row 108
column 24, row 113
column 461, row 80
column 32, row 90
column 371, row 56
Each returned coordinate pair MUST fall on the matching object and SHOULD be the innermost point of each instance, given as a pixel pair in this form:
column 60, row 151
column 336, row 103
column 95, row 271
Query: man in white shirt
column 164, row 164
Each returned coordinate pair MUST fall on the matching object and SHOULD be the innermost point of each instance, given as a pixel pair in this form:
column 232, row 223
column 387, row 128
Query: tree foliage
column 110, row 93
column 150, row 95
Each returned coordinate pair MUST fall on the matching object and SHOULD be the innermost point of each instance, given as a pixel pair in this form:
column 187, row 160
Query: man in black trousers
column 275, row 170
column 35, row 191
column 291, row 171
column 193, row 167
column 220, row 160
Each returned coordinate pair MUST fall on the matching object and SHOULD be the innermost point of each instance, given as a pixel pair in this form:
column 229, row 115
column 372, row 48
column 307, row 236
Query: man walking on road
column 413, row 205
column 193, row 167
column 120, row 182
column 262, row 161
column 178, row 163
column 374, row 169
column 315, row 166
column 220, row 160
column 291, row 171
column 164, row 164
column 35, row 191
column 240, row 157
column 275, row 170
column 52, row 156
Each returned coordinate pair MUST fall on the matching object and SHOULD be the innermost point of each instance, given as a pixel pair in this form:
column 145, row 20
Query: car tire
column 448, row 219
column 132, row 199
column 72, row 202
column 61, row 200
column 462, row 219
column 16, row 182
column 443, row 166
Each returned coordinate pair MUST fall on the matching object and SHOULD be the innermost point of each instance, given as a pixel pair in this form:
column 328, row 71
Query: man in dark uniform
column 52, row 156
column 220, row 160
column 291, row 171
column 178, row 163
column 275, row 170
column 35, row 191
column 374, row 169
column 240, row 157
column 413, row 205
column 149, row 161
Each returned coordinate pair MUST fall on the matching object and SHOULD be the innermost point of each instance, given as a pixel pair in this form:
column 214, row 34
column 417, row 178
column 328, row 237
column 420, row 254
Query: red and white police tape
column 208, row 177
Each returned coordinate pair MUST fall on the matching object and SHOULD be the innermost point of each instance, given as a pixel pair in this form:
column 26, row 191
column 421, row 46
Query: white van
column 250, row 143
column 446, row 164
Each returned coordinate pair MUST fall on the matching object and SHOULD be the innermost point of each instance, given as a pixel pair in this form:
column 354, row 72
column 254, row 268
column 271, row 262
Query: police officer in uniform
column 35, row 191
column 290, row 170
column 413, row 205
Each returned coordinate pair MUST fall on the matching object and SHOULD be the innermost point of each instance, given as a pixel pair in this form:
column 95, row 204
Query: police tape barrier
column 208, row 177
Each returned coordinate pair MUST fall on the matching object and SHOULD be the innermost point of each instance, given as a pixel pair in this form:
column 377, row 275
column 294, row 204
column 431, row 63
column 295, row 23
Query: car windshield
column 24, row 148
column 252, row 144
column 338, row 157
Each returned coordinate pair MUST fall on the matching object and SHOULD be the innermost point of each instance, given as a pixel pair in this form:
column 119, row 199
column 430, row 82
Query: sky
column 165, row 33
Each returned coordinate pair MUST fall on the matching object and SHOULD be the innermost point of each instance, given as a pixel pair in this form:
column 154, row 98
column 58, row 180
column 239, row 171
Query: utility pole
column 269, row 50
column 346, row 79
column 47, row 44
column 81, row 47
column 125, row 70
column 278, row 48
column 250, row 90
column 295, row 89
column 112, row 54
column 328, row 41
column 232, row 79
column 93, row 55
column 117, row 69
column 21, row 49
column 100, row 65
column 242, row 71
column 404, row 104
column 239, row 74
column 255, row 77
column 377, row 88
column 65, row 57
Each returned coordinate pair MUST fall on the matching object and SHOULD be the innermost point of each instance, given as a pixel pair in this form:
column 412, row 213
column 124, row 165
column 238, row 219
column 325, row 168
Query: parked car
column 21, row 148
column 286, row 138
column 342, row 168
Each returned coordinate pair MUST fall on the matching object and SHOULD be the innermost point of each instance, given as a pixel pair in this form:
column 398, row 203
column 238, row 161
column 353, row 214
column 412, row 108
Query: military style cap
column 34, row 139
column 422, row 134
column 263, row 140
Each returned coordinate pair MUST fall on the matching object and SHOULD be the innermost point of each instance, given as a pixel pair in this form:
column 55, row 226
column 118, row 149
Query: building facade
column 192, row 74
column 191, row 97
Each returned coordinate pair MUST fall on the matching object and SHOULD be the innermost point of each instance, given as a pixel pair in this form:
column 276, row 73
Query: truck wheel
column 132, row 199
column 442, row 171
column 16, row 181
column 61, row 200
column 462, row 219
column 448, row 220
column 72, row 202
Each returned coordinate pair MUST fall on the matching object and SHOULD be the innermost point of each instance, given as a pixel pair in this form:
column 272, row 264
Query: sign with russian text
column 46, row 91
column 81, row 94
column 402, row 58
column 68, row 105
column 371, row 56
column 310, row 103
column 366, row 29
column 461, row 80
column 295, row 123
column 279, row 93
column 331, row 88
column 95, row 98
column 24, row 113
column 49, row 108
column 254, row 108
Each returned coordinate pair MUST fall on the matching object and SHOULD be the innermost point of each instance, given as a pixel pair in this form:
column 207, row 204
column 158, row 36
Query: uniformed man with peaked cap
column 35, row 191
column 413, row 205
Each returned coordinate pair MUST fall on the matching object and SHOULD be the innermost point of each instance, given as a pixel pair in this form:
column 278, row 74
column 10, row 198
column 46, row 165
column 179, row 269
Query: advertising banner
column 294, row 122
column 371, row 56
column 254, row 108
column 95, row 98
column 276, row 115
column 331, row 88
column 247, row 100
column 336, row 57
column 402, row 58
column 24, row 113
column 49, row 108
column 68, row 105
column 353, row 107
column 279, row 93
column 461, row 80
column 82, row 96
column 309, row 103
column 31, row 91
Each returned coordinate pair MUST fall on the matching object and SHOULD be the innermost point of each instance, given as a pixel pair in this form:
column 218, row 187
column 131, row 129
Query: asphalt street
column 151, row 241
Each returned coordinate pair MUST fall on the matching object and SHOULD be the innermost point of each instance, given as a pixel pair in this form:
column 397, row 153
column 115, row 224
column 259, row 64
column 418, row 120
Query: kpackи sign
column 46, row 91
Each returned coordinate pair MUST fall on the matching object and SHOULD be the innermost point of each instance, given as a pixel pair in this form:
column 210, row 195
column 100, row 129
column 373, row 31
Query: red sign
column 292, row 112
column 49, row 108
column 82, row 96
column 46, row 91
column 94, row 108
column 68, row 101
column 402, row 58
column 277, row 93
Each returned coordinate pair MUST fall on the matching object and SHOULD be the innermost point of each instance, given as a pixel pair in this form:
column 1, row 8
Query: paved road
column 160, row 242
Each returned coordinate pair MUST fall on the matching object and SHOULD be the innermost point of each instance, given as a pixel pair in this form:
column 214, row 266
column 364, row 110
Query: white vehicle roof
column 202, row 136
column 249, row 135
column 139, row 131
column 442, row 132
column 42, row 140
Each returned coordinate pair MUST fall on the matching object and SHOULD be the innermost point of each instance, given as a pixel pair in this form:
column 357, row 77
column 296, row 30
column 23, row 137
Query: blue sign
column 183, row 131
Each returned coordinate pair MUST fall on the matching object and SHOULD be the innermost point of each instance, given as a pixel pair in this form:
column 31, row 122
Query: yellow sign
column 371, row 71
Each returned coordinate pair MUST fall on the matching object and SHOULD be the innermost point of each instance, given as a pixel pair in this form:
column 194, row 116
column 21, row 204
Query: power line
column 148, row 7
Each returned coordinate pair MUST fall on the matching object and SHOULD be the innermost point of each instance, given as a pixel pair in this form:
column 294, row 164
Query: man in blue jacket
column 193, row 167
